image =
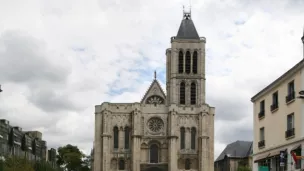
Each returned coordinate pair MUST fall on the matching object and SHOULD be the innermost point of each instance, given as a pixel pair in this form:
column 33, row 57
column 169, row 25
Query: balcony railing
column 289, row 133
column 261, row 114
column 274, row 106
column 290, row 97
column 261, row 144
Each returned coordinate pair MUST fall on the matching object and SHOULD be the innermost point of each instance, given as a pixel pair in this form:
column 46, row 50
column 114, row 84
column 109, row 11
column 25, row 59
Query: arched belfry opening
column 182, row 93
column 194, row 62
column 193, row 93
column 180, row 62
column 188, row 62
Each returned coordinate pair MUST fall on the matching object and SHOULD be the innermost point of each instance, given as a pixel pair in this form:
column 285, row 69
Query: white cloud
column 70, row 54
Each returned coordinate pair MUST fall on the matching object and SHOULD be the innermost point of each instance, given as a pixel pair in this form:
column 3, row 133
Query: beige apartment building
column 278, row 115
column 162, row 132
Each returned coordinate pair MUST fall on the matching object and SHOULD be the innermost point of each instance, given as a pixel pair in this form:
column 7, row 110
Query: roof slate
column 236, row 149
column 187, row 30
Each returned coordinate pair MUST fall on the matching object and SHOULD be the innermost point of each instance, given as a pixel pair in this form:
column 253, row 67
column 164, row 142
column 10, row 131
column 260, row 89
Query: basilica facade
column 172, row 131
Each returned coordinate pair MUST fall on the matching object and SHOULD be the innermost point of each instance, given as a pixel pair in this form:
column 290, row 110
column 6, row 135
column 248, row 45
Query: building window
column 187, row 164
column 182, row 91
column 182, row 138
column 291, row 92
column 188, row 62
column 275, row 101
column 262, row 109
column 193, row 94
column 261, row 143
column 127, row 137
column 193, row 138
column 180, row 62
column 121, row 164
column 115, row 131
column 153, row 153
column 194, row 63
column 290, row 126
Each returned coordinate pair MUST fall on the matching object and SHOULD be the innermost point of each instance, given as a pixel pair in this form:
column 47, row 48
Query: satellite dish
column 301, row 92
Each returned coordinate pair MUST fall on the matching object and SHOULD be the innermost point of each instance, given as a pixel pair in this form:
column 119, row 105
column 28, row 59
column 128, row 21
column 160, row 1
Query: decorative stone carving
column 114, row 164
column 155, row 124
column 155, row 100
column 142, row 125
column 144, row 145
column 121, row 120
column 188, row 120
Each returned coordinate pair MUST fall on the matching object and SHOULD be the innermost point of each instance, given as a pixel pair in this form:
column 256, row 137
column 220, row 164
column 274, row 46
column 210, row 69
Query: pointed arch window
column 187, row 164
column 180, row 62
column 121, row 164
column 194, row 62
column 115, row 132
column 193, row 138
column 154, row 153
column 127, row 138
column 193, row 94
column 182, row 138
column 182, row 91
column 188, row 62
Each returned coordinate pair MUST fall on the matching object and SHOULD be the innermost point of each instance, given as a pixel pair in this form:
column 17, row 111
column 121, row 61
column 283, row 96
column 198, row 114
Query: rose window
column 155, row 124
column 155, row 100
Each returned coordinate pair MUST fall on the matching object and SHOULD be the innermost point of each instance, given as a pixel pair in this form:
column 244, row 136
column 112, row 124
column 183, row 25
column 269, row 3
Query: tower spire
column 190, row 6
column 187, row 13
column 154, row 74
column 187, row 29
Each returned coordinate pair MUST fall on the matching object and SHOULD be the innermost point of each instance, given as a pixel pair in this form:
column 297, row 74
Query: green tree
column 243, row 168
column 17, row 164
column 72, row 159
column 45, row 166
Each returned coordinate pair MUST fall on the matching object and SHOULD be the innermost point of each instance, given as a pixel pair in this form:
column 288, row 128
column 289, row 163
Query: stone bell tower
column 190, row 118
column 186, row 65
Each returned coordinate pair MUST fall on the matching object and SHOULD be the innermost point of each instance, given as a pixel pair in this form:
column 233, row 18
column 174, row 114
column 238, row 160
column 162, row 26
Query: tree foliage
column 243, row 168
column 14, row 163
column 72, row 159
column 17, row 164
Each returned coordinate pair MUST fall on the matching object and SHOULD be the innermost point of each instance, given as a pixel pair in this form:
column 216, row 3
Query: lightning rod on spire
column 190, row 6
column 154, row 74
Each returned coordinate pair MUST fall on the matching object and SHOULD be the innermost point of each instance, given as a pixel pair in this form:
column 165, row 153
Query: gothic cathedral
column 172, row 131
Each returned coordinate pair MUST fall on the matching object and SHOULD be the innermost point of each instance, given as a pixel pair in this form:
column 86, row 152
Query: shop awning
column 296, row 147
column 276, row 153
column 261, row 157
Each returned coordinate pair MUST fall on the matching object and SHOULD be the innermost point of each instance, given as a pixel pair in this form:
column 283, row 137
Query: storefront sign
column 282, row 158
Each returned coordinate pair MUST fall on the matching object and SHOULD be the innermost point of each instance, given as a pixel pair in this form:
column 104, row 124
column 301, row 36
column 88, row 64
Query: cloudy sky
column 60, row 58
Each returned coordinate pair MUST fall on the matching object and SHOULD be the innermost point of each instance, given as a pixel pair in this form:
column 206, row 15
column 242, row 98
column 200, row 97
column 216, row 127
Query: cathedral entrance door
column 154, row 169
